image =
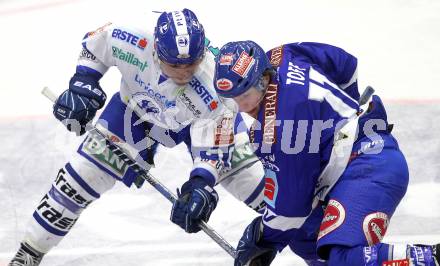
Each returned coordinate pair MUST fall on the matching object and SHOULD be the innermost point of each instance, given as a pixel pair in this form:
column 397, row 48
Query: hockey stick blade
column 161, row 188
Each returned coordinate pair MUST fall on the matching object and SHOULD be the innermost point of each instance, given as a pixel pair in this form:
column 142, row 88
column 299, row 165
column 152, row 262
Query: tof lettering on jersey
column 295, row 74
column 182, row 37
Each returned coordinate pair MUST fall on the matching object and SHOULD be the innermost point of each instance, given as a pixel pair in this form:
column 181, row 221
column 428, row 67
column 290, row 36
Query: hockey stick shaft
column 161, row 188
column 368, row 92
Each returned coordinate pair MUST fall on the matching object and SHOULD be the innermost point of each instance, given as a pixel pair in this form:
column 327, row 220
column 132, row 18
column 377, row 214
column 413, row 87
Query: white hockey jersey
column 158, row 100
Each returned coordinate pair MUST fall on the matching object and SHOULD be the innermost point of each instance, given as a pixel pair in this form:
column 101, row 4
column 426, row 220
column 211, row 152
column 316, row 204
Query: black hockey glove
column 197, row 200
column 77, row 106
column 250, row 250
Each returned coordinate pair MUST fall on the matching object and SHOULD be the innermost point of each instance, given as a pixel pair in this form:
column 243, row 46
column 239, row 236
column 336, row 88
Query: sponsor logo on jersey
column 130, row 38
column 334, row 216
column 129, row 58
column 224, row 132
column 224, row 84
column 98, row 30
column 204, row 94
column 270, row 114
column 153, row 94
column 375, row 226
column 276, row 55
column 181, row 95
column 270, row 187
column 86, row 55
column 244, row 64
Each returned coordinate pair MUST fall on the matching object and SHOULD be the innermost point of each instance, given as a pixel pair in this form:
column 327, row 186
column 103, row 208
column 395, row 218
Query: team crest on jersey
column 334, row 216
column 375, row 226
column 143, row 100
column 270, row 187
column 244, row 64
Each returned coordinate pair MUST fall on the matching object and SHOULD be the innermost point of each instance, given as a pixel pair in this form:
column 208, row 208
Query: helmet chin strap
column 264, row 84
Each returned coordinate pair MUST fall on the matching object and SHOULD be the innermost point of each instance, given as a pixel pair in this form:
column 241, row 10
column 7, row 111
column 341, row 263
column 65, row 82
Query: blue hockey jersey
column 310, row 106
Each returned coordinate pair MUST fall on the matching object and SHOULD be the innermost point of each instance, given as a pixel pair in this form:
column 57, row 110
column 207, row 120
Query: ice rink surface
column 397, row 46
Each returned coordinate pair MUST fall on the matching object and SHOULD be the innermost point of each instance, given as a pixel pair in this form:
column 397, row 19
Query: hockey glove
column 77, row 106
column 249, row 249
column 197, row 200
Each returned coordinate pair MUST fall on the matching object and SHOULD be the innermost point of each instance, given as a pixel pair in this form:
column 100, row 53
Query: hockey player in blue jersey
column 166, row 96
column 334, row 172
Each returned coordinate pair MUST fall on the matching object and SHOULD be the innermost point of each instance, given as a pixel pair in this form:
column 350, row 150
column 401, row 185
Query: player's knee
column 98, row 180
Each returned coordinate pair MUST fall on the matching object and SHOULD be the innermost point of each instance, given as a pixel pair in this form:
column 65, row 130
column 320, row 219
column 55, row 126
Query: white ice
column 396, row 42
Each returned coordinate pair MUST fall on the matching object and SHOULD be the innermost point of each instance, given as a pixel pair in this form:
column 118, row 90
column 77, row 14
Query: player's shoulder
column 127, row 35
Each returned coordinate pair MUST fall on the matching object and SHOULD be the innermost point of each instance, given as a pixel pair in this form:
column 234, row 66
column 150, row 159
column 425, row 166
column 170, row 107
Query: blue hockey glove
column 249, row 249
column 197, row 200
column 78, row 105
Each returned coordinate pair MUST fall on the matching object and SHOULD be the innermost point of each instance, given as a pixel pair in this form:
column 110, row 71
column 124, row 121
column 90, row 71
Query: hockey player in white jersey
column 166, row 96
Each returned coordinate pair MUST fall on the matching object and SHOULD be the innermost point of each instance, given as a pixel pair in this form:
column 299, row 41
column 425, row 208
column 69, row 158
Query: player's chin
column 245, row 107
column 181, row 81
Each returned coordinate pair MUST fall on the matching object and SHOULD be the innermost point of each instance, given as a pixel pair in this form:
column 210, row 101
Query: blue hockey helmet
column 179, row 37
column 239, row 66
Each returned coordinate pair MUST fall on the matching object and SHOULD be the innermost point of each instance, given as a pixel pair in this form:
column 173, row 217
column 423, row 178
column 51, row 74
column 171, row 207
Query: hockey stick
column 368, row 92
column 150, row 179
